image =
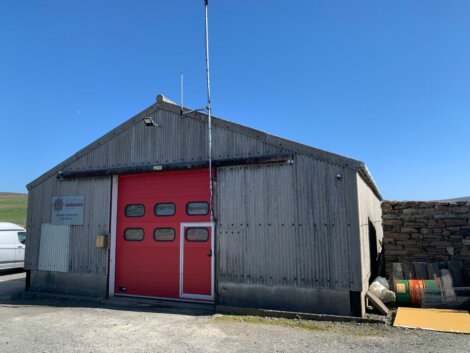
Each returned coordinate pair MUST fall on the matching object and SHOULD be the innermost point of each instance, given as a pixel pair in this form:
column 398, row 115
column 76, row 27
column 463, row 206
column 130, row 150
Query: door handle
column 20, row 247
column 210, row 253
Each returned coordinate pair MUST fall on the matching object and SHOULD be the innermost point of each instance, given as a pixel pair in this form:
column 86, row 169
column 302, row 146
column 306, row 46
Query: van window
column 22, row 237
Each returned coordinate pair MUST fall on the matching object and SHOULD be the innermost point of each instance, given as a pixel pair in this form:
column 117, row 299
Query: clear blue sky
column 385, row 82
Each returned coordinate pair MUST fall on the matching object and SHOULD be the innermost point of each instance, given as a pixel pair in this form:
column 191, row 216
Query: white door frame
column 112, row 247
column 182, row 227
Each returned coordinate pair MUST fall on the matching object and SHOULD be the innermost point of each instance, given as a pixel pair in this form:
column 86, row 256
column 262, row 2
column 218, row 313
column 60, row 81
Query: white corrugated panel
column 54, row 248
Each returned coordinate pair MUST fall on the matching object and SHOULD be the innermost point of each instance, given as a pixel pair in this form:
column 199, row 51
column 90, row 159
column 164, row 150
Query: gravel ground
column 53, row 326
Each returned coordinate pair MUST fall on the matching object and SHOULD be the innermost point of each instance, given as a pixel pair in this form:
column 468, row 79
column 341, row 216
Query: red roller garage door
column 164, row 240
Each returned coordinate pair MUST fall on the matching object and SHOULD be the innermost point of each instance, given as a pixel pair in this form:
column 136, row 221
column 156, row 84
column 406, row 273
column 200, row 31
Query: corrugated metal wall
column 288, row 225
column 175, row 140
column 84, row 256
column 369, row 209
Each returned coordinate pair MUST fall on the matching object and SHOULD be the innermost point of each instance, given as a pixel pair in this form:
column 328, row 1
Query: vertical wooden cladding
column 286, row 224
column 84, row 256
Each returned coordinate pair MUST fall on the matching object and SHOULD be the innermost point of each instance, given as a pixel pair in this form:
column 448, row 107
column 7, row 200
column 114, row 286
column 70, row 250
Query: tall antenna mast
column 181, row 91
column 209, row 114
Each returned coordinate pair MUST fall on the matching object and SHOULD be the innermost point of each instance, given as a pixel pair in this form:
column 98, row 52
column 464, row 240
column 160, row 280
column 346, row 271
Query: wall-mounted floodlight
column 148, row 121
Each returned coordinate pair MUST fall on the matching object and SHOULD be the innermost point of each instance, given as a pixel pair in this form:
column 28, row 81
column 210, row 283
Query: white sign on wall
column 68, row 209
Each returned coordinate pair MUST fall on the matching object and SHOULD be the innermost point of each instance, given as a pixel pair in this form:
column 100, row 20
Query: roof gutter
column 267, row 159
column 365, row 174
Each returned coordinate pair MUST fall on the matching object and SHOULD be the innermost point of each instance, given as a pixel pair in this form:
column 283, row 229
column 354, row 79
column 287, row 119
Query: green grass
column 13, row 208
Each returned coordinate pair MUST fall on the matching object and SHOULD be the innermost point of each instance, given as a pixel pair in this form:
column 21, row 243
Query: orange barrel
column 411, row 292
column 416, row 290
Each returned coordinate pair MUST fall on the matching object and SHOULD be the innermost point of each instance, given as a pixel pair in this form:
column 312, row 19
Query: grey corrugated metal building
column 296, row 228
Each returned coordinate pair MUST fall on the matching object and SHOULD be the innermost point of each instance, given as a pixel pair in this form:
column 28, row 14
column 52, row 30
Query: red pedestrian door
column 197, row 261
column 164, row 237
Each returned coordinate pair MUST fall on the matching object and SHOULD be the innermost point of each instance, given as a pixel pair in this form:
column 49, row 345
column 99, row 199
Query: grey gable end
column 277, row 143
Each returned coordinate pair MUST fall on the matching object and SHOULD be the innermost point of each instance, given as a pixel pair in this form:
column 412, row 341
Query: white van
column 12, row 244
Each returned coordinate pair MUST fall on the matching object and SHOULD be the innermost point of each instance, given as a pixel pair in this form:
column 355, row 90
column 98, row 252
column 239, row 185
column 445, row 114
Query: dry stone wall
column 428, row 232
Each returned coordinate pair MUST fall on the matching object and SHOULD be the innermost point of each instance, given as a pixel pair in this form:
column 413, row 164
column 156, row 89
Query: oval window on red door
column 199, row 208
column 164, row 234
column 134, row 234
column 197, row 234
column 165, row 209
column 134, row 210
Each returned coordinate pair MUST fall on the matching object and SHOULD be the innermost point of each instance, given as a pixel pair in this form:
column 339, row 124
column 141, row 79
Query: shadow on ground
column 12, row 293
column 12, row 282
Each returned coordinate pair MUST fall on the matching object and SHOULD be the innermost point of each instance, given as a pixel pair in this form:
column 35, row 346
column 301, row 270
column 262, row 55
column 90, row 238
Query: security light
column 148, row 121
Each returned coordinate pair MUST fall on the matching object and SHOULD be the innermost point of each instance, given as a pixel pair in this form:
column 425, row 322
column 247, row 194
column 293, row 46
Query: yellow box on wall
column 101, row 241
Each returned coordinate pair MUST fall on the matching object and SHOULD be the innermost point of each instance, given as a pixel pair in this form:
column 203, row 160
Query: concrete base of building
column 285, row 298
column 281, row 298
column 81, row 284
column 295, row 315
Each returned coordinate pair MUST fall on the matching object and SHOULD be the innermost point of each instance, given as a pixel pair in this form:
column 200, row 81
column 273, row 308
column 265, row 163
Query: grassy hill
column 466, row 198
column 13, row 207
